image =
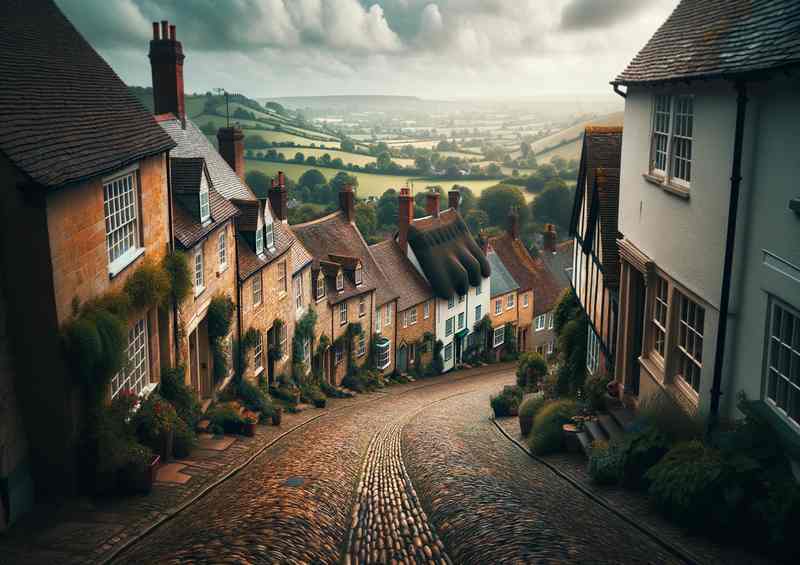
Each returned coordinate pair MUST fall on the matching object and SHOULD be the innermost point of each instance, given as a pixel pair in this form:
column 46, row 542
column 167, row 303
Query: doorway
column 636, row 330
column 402, row 359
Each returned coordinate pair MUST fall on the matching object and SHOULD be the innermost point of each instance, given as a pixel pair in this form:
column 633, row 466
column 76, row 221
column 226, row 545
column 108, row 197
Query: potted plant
column 249, row 426
column 139, row 473
column 277, row 416
column 155, row 425
column 527, row 412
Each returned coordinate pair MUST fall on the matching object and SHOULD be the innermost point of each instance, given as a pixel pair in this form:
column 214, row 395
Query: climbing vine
column 219, row 318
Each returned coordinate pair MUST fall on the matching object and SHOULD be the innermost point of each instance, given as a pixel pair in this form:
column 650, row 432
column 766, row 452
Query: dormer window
column 320, row 286
column 359, row 274
column 270, row 235
column 259, row 242
column 340, row 281
column 205, row 208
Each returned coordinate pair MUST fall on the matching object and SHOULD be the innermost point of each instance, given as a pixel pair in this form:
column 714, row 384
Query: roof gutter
column 618, row 91
column 733, row 208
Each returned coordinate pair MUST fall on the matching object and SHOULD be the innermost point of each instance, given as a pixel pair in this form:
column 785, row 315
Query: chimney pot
column 432, row 203
column 347, row 202
column 166, row 62
column 405, row 208
column 281, row 179
column 164, row 29
column 279, row 199
column 231, row 147
column 172, row 32
column 155, row 31
column 454, row 199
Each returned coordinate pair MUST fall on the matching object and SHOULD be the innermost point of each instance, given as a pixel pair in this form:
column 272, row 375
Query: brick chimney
column 166, row 63
column 453, row 199
column 405, row 206
column 231, row 147
column 513, row 226
column 278, row 198
column 432, row 203
column 347, row 202
column 549, row 241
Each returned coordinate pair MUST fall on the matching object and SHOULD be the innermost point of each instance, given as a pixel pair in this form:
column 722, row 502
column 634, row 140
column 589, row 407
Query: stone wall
column 412, row 333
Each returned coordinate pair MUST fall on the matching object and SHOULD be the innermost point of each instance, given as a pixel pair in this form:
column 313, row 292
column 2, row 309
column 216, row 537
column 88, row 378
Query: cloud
column 594, row 14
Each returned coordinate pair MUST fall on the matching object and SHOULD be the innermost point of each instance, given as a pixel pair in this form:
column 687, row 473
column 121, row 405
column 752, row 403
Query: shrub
column 643, row 449
column 507, row 402
column 226, row 418
column 173, row 389
column 375, row 380
column 605, row 462
column 312, row 394
column 154, row 418
column 355, row 381
column 531, row 370
column 531, row 405
column 286, row 393
column 254, row 399
column 776, row 516
column 176, row 265
column 661, row 412
column 594, row 390
column 148, row 286
column 184, row 440
column 546, row 434
column 437, row 363
column 330, row 390
column 220, row 314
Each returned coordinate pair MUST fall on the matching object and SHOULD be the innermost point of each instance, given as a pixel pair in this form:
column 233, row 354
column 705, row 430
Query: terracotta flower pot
column 525, row 424
column 249, row 428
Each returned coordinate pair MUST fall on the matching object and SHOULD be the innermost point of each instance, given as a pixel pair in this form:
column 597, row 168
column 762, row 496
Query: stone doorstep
column 171, row 473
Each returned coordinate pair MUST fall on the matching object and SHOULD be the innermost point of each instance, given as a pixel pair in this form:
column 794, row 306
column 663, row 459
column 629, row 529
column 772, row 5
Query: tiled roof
column 412, row 286
column 193, row 143
column 249, row 262
column 250, row 210
column 186, row 176
column 560, row 263
column 66, row 116
column 602, row 148
column 529, row 273
column 717, row 38
column 502, row 282
column 333, row 235
column 607, row 183
column 447, row 253
column 300, row 257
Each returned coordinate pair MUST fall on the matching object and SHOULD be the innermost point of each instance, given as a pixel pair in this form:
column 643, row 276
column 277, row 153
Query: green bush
column 375, row 380
column 173, row 389
column 154, row 418
column 531, row 370
column 330, row 390
column 355, row 381
column 254, row 399
column 220, row 315
column 184, row 439
column 546, row 434
column 176, row 265
column 507, row 402
column 312, row 394
column 531, row 406
column 226, row 418
column 775, row 516
column 643, row 449
column 662, row 413
column 148, row 286
column 606, row 461
column 594, row 390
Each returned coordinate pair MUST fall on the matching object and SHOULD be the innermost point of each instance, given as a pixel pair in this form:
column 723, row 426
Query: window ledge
column 258, row 371
column 666, row 186
column 198, row 291
column 122, row 262
column 222, row 271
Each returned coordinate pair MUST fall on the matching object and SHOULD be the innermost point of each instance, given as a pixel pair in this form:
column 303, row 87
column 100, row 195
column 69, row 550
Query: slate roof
column 249, row 262
column 300, row 257
column 188, row 229
column 333, row 235
column 66, row 116
column 560, row 263
column 502, row 282
column 448, row 255
column 719, row 38
column 412, row 286
column 191, row 142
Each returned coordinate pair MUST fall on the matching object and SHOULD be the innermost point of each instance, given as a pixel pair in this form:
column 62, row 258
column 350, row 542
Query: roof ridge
column 318, row 220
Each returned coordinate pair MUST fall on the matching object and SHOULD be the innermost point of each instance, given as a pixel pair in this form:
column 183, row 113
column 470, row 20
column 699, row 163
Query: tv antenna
column 221, row 91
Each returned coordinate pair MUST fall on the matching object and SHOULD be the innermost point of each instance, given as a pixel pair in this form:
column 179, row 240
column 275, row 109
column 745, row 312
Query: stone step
column 610, row 427
column 623, row 416
column 595, row 432
column 585, row 441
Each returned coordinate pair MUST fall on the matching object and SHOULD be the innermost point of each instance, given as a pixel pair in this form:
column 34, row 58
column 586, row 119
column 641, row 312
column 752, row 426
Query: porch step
column 610, row 427
column 623, row 416
column 595, row 432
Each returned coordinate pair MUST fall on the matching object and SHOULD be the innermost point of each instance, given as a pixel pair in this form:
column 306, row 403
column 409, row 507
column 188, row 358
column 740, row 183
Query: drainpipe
column 238, row 360
column 733, row 208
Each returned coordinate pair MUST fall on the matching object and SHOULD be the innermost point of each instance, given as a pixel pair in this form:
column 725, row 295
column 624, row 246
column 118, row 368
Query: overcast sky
column 434, row 49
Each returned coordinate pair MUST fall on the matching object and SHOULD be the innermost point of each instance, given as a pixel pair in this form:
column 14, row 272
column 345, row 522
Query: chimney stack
column 231, row 147
column 347, row 202
column 278, row 198
column 405, row 207
column 454, row 199
column 513, row 218
column 432, row 203
column 166, row 63
column 549, row 242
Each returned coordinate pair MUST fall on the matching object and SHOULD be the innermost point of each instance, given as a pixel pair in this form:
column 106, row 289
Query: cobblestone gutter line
column 679, row 552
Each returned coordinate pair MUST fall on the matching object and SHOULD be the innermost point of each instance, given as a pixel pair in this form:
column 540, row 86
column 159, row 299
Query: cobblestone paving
column 388, row 522
column 491, row 503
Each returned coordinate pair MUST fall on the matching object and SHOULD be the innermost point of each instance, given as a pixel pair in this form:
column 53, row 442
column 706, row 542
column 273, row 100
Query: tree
column 498, row 201
column 209, row 128
column 258, row 182
column 387, row 209
column 325, row 159
column 277, row 108
column 525, row 147
column 553, row 206
column 299, row 157
column 312, row 178
column 340, row 180
column 468, row 200
column 423, row 163
column 384, row 161
column 493, row 169
column 476, row 220
column 348, row 146
column 366, row 220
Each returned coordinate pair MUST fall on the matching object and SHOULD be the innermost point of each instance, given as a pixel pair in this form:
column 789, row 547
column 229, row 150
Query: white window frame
column 448, row 326
column 258, row 290
column 499, row 337
column 387, row 321
column 258, row 354
column 269, row 235
column 307, row 352
column 478, row 312
column 672, row 138
column 199, row 270
column 205, row 204
column 781, row 355
column 592, row 352
column 121, row 212
column 539, row 322
column 135, row 376
column 509, row 302
column 283, row 338
column 362, row 306
column 448, row 352
column 362, row 344
column 222, row 251
column 462, row 320
column 282, row 277
column 498, row 306
column 550, row 347
column 342, row 313
column 426, row 310
column 340, row 281
column 259, row 241
column 321, row 290
column 525, row 300
column 659, row 317
column 550, row 321
column 338, row 354
column 411, row 316
column 689, row 340
column 451, row 302
column 383, row 357
column 359, row 275
column 298, row 292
